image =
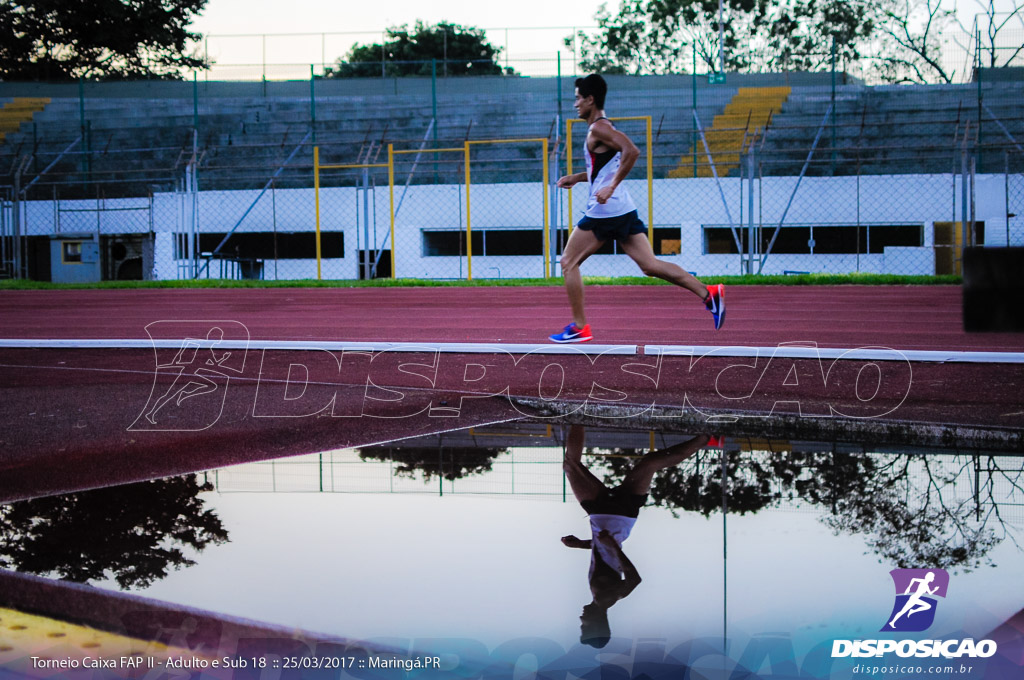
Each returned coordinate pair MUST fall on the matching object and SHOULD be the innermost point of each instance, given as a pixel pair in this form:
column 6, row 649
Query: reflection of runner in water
column 915, row 604
column 612, row 514
column 200, row 381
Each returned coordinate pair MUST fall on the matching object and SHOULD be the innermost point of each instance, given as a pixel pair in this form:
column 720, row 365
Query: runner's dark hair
column 593, row 85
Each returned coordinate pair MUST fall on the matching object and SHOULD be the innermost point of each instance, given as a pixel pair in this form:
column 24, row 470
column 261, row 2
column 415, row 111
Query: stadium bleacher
column 894, row 129
column 242, row 139
column 132, row 142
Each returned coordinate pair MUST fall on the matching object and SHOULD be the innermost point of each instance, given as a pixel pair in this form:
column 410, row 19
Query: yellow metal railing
column 316, row 196
column 465, row 151
column 543, row 141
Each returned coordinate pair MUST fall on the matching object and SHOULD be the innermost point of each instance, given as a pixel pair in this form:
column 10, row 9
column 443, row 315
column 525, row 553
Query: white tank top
column 601, row 169
column 619, row 527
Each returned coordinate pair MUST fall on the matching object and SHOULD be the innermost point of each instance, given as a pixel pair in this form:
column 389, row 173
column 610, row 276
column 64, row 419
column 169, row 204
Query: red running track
column 900, row 317
column 68, row 418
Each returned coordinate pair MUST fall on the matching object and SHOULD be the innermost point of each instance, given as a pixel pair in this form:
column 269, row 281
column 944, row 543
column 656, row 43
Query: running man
column 914, row 603
column 612, row 514
column 611, row 214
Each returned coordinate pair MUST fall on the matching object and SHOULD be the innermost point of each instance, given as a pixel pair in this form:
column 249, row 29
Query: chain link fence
column 534, row 51
column 221, row 181
column 1014, row 198
column 9, row 255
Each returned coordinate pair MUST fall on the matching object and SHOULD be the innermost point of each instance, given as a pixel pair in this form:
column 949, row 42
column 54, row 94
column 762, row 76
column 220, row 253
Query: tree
column 989, row 23
column 910, row 45
column 802, row 34
column 902, row 505
column 109, row 39
column 660, row 36
column 459, row 50
column 908, row 513
column 657, row 36
column 133, row 533
column 449, row 462
column 696, row 485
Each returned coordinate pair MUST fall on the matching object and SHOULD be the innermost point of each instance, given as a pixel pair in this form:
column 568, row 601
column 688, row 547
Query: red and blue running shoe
column 716, row 303
column 573, row 333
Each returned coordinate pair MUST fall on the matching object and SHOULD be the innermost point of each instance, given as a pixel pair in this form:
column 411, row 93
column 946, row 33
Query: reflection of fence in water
column 978, row 484
column 520, row 472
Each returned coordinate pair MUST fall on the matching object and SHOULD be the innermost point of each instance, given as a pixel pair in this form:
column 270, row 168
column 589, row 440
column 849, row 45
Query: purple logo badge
column 916, row 590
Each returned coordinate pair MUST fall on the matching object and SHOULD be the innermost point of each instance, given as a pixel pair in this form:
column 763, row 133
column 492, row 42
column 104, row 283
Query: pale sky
column 333, row 26
column 295, row 16
column 364, row 22
column 492, row 568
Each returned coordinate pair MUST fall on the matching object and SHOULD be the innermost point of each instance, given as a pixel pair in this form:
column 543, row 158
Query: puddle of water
column 463, row 536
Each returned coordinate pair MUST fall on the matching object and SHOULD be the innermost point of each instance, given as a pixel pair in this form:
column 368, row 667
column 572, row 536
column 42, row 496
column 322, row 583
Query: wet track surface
column 434, row 480
column 901, row 317
column 451, row 545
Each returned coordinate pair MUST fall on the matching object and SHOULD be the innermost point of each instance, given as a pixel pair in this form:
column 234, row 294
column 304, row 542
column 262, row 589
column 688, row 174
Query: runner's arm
column 604, row 133
column 629, row 572
column 567, row 181
column 573, row 542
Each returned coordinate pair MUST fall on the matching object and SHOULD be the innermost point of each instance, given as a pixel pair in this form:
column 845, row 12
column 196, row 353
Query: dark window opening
column 900, row 235
column 281, row 246
column 514, row 242
column 951, row 233
column 450, row 243
column 378, row 266
column 181, row 246
column 827, row 240
column 667, row 241
column 485, row 242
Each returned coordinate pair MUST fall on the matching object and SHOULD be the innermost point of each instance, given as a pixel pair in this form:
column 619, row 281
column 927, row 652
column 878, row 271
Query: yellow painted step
column 23, row 636
column 20, row 110
column 745, row 116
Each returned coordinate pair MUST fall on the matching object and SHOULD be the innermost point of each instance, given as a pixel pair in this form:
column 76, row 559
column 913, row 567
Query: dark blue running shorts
column 618, row 228
column 615, row 501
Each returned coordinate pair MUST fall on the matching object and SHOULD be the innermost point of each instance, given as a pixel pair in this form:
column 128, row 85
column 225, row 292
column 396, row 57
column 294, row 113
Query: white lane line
column 310, row 345
column 830, row 353
column 781, row 351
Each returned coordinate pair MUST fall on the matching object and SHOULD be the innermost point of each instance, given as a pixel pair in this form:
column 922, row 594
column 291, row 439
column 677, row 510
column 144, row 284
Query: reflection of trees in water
column 134, row 533
column 451, row 462
column 907, row 507
column 910, row 519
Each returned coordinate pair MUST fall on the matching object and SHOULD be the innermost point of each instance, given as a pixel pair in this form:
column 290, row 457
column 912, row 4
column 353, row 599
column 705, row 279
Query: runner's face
column 583, row 105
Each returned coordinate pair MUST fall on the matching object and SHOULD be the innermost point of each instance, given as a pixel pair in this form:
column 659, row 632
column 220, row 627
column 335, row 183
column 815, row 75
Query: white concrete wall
column 690, row 204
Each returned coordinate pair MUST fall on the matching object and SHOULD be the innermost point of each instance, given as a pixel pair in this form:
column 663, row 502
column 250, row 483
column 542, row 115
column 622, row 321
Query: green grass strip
column 747, row 280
